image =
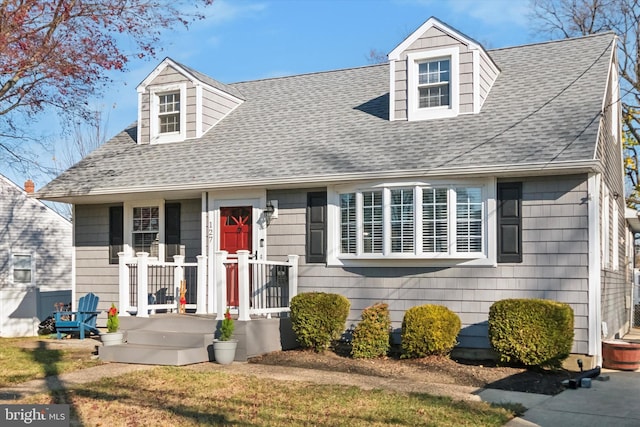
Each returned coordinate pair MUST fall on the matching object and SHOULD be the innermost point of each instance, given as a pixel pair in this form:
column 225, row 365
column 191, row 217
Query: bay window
column 418, row 221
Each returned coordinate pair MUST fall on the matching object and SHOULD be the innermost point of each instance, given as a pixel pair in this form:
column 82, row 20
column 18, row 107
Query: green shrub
column 371, row 335
column 533, row 332
column 429, row 330
column 318, row 318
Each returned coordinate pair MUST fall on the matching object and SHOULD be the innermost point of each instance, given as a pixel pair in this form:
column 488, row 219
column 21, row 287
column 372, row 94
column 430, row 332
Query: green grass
column 24, row 359
column 185, row 397
column 178, row 396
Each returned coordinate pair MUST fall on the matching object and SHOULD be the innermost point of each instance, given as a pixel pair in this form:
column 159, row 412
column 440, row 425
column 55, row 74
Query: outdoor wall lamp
column 271, row 210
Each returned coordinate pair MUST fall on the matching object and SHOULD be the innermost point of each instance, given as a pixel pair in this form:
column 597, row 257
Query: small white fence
column 263, row 287
column 256, row 287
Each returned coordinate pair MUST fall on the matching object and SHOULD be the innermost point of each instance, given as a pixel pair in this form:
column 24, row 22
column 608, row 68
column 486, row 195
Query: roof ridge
column 605, row 33
column 310, row 73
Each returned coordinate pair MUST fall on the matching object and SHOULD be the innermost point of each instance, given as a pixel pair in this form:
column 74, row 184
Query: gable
column 176, row 104
column 471, row 75
column 30, row 228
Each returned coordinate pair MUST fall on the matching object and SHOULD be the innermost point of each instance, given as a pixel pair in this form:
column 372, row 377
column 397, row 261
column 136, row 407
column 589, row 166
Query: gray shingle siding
column 615, row 279
column 93, row 271
column 555, row 264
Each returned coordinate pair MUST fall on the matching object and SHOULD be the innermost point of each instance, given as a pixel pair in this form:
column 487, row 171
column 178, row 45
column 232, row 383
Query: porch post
column 123, row 285
column 178, row 276
column 143, row 284
column 201, row 301
column 243, row 285
column 293, row 275
column 221, row 283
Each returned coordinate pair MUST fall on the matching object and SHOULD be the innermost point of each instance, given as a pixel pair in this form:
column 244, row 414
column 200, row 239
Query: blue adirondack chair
column 81, row 321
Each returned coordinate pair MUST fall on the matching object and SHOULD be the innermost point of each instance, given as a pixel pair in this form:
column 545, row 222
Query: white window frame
column 128, row 224
column 154, row 122
column 413, row 98
column 30, row 254
column 487, row 257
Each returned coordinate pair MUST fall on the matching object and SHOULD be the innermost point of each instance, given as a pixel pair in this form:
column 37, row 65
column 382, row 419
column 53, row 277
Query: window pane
column 469, row 219
column 435, row 223
column 22, row 276
column 348, row 223
column 372, row 221
column 146, row 225
column 433, row 96
column 170, row 123
column 402, row 228
column 142, row 241
column 169, row 112
column 22, row 262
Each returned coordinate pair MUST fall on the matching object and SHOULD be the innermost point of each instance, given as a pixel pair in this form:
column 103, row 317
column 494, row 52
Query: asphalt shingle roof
column 544, row 108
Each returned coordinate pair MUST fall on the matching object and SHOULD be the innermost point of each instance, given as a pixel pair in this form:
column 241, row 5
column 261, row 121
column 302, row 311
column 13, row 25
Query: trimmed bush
column 371, row 335
column 429, row 330
column 533, row 332
column 318, row 318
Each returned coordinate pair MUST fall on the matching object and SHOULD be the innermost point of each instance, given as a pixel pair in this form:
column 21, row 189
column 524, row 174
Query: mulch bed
column 434, row 369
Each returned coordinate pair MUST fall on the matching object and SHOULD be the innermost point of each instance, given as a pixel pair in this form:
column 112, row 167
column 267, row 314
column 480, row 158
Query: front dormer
column 176, row 103
column 438, row 72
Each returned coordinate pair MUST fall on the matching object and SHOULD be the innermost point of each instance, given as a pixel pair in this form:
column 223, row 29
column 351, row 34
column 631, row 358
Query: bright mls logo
column 34, row 415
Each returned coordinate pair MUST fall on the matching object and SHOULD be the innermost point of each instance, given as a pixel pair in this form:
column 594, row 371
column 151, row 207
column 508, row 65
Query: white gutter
column 297, row 181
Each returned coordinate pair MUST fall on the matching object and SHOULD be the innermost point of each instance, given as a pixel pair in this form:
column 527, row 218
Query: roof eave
column 514, row 170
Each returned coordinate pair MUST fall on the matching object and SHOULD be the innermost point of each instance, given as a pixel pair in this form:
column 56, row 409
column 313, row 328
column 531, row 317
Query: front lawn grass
column 177, row 396
column 24, row 359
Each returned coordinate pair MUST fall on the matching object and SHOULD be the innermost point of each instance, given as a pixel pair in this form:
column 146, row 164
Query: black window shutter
column 171, row 230
column 316, row 227
column 510, row 222
column 116, row 233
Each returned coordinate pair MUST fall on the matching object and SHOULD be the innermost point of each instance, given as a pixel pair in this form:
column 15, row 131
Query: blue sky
column 253, row 39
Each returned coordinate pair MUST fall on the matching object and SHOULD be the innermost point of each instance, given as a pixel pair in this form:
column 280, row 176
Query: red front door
column 235, row 235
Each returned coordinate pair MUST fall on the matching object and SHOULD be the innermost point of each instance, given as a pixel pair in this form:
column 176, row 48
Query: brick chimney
column 29, row 186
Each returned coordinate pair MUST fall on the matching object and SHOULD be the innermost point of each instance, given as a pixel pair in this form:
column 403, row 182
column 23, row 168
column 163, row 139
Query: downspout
column 595, row 281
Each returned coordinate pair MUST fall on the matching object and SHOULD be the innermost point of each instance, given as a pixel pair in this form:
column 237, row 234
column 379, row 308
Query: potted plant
column 113, row 337
column 224, row 348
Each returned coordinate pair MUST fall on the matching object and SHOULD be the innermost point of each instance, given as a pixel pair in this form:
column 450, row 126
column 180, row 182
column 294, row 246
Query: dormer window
column 433, row 84
column 169, row 112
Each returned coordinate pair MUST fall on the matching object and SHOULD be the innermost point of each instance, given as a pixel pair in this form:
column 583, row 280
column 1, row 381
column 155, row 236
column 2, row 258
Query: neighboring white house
column 35, row 260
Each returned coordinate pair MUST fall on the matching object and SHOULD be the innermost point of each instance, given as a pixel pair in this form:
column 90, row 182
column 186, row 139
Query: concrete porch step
column 168, row 338
column 154, row 355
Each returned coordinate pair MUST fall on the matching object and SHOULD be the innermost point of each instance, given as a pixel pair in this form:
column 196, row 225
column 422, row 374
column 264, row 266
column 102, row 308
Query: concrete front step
column 155, row 355
column 168, row 338
column 170, row 322
column 173, row 339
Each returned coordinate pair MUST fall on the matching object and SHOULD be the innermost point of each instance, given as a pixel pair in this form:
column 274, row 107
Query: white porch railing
column 263, row 287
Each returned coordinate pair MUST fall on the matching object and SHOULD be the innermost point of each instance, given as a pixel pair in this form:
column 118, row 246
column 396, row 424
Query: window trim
column 128, row 225
column 413, row 99
column 335, row 258
column 32, row 255
column 154, row 120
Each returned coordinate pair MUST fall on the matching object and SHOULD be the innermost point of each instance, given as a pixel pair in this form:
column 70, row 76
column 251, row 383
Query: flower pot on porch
column 112, row 338
column 224, row 352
